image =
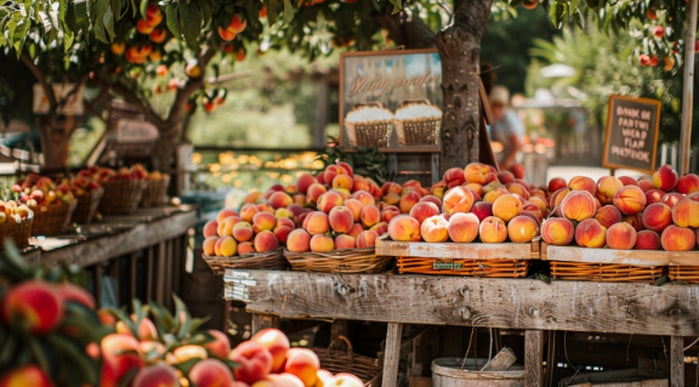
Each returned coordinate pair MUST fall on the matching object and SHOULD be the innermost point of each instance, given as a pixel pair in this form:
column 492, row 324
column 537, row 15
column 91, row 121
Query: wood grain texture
column 533, row 357
column 670, row 309
column 627, row 257
column 394, row 332
column 509, row 250
column 676, row 361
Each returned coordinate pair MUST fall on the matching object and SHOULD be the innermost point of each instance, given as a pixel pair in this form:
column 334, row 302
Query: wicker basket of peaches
column 123, row 189
column 15, row 222
column 52, row 203
column 88, row 193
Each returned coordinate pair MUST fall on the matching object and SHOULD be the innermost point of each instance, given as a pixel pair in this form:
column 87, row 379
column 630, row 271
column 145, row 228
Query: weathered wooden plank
column 670, row 309
column 676, row 361
column 386, row 247
column 262, row 321
column 394, row 332
column 626, row 257
column 533, row 357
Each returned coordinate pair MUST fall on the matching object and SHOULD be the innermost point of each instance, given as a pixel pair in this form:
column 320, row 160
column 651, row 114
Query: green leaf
column 7, row 349
column 38, row 351
column 288, row 12
column 79, row 9
column 172, row 20
column 190, row 18
column 70, row 353
column 185, row 326
column 274, row 8
column 143, row 7
column 108, row 20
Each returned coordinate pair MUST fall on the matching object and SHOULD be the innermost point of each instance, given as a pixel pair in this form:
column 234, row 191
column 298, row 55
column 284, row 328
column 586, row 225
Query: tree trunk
column 459, row 49
column 54, row 143
column 164, row 151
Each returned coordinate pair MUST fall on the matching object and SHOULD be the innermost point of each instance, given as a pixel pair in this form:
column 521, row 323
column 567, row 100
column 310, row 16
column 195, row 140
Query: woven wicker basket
column 492, row 268
column 684, row 273
column 87, row 206
column 339, row 261
column 363, row 367
column 18, row 233
column 604, row 272
column 121, row 196
column 52, row 220
column 371, row 134
column 270, row 260
column 155, row 193
column 423, row 131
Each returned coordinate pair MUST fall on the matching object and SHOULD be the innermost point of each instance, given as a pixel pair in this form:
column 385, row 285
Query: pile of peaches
column 42, row 192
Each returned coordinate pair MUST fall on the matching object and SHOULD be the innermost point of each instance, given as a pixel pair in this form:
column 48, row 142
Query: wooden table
column 158, row 235
column 530, row 305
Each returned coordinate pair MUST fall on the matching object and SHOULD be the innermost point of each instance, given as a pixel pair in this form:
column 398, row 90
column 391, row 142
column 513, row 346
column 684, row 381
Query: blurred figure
column 506, row 128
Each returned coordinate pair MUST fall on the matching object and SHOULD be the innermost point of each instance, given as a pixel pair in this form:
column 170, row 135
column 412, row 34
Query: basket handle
column 347, row 343
column 421, row 101
column 368, row 104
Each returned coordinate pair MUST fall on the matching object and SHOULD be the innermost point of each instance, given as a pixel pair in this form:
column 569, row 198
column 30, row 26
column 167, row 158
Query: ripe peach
column 686, row 213
column 254, row 360
column 491, row 196
column 247, row 211
column 557, row 183
column 304, row 181
column 433, row 199
column 672, row 198
column 645, row 183
column 328, row 200
column 380, row 228
column 282, row 232
column 656, row 217
column 519, row 189
column 34, row 304
column 365, row 197
column 522, row 229
column 518, row 170
column 277, row 343
column 476, row 189
column 304, row 363
column 408, row 200
column 607, row 187
column 355, row 206
column 119, row 356
column 360, row 183
column 26, row 375
column 73, row 293
column 493, row 230
column 607, row 215
column 463, row 227
column 341, row 219
column 590, row 233
column 654, row 195
column 423, row 210
column 279, row 199
column 505, row 177
column 389, row 212
column 578, row 205
column 675, row 238
column 404, row 228
column 629, row 199
column 161, row 374
column 369, row 216
column 298, row 241
column 434, row 229
column 507, row 207
column 647, row 240
column 210, row 228
column 243, row 231
column 366, row 238
column 356, row 229
column 219, row 345
column 321, row 243
column 583, row 183
column 621, row 236
column 454, row 176
column 558, row 231
column 263, row 220
column 476, row 172
column 265, row 241
column 224, row 213
column 687, row 184
column 628, row 180
column 342, row 181
column 246, row 248
column 286, row 221
column 226, row 226
column 345, row 241
column 457, row 199
column 314, row 192
column 316, row 222
column 210, row 373
column 482, row 209
column 664, row 178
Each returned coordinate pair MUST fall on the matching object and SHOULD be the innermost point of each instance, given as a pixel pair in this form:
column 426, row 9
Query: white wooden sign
column 73, row 106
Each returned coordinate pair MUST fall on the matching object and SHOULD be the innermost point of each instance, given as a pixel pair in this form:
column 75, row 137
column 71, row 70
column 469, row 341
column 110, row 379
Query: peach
column 482, row 210
column 686, row 213
column 647, row 240
column 687, row 184
column 254, row 361
column 365, row 197
column 283, row 212
column 263, row 221
column 494, row 194
column 463, row 227
column 476, row 189
column 457, row 199
column 654, row 195
column 454, row 176
column 391, row 187
column 161, row 375
column 356, row 229
column 389, row 212
column 210, row 373
column 408, row 200
column 243, row 231
column 70, row 292
column 298, row 241
column 246, row 248
column 664, row 178
column 119, row 356
column 355, row 206
column 210, row 228
column 557, row 197
column 282, row 232
column 314, row 192
column 635, row 220
column 341, row 219
column 583, row 183
column 518, row 170
column 505, row 177
column 672, row 198
column 317, row 222
column 265, row 241
column 359, row 183
column 645, row 183
column 304, row 363
column 507, row 207
column 321, row 243
column 557, row 231
column 304, row 181
column 247, row 211
column 578, row 205
column 26, row 375
column 628, row 180
column 607, row 215
column 280, row 199
column 621, row 236
column 476, row 172
column 34, row 304
column 369, row 216
column 277, row 343
column 423, row 210
column 342, row 181
column 522, row 229
column 629, row 199
column 493, row 230
column 328, row 200
column 225, row 227
column 675, row 238
column 404, row 228
column 224, row 213
column 590, row 233
column 434, row 229
column 366, row 238
column 219, row 345
column 285, row 221
column 557, row 183
column 607, row 187
column 188, row 352
column 656, row 217
column 344, row 379
column 345, row 241
column 380, row 228
column 519, row 189
column 433, row 199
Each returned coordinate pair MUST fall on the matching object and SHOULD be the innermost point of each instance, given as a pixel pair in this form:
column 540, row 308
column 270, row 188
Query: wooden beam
column 638, row 308
column 676, row 361
column 262, row 321
column 394, row 332
column 533, row 357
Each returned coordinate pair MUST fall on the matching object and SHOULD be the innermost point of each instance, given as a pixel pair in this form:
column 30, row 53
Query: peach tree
column 133, row 49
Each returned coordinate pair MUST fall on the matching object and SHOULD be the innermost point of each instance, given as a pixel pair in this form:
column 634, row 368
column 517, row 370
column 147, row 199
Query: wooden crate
column 618, row 378
column 506, row 260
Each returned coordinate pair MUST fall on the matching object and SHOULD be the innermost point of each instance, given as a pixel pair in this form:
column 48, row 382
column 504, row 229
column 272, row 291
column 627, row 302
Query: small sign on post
column 632, row 133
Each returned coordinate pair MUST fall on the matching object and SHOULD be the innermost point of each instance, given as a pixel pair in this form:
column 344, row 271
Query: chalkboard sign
column 632, row 133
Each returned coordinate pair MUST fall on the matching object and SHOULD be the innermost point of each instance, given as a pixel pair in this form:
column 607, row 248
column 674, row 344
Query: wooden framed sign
column 391, row 100
column 631, row 141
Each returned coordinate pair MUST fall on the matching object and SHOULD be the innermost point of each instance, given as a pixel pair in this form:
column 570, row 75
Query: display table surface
column 526, row 304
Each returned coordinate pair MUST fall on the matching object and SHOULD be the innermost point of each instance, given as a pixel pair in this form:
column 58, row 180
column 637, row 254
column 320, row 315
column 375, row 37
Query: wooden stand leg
column 262, row 321
column 533, row 357
column 676, row 361
column 394, row 332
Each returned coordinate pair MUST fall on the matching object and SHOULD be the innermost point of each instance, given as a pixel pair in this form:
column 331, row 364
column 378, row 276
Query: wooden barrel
column 447, row 372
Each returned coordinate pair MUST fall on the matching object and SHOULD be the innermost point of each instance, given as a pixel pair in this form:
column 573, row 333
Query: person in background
column 506, row 128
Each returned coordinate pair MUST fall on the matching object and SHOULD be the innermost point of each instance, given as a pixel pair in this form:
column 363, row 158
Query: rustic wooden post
column 533, row 356
column 261, row 321
column 394, row 332
column 676, row 361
